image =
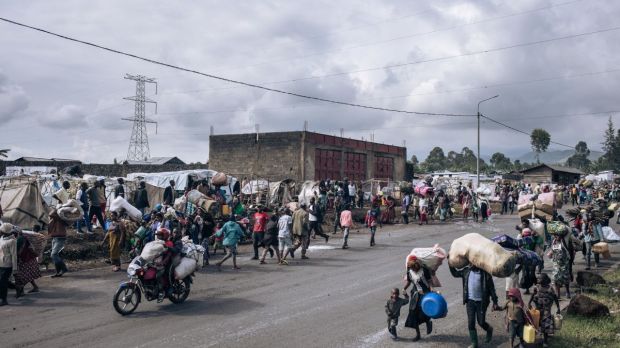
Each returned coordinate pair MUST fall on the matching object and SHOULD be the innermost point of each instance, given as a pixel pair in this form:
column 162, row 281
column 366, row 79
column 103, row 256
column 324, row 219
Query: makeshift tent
column 308, row 190
column 281, row 192
column 182, row 179
column 255, row 186
column 22, row 203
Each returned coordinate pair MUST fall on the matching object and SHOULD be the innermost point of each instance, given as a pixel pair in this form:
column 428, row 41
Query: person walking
column 371, row 222
column 231, row 232
column 314, row 218
column 478, row 292
column 591, row 237
column 270, row 239
column 301, row 232
column 8, row 259
column 28, row 266
column 419, row 278
column 170, row 194
column 57, row 230
column 115, row 239
column 338, row 206
column 284, row 235
column 95, row 200
column 82, row 197
column 119, row 190
column 141, row 198
column 258, row 230
column 392, row 309
column 561, row 268
column 544, row 298
column 346, row 222
column 404, row 209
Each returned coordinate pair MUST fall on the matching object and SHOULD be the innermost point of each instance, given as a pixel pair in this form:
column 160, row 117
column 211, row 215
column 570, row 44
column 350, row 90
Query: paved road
column 335, row 299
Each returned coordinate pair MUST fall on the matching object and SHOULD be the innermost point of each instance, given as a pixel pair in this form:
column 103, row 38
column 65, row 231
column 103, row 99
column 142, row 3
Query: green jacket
column 488, row 287
column 232, row 233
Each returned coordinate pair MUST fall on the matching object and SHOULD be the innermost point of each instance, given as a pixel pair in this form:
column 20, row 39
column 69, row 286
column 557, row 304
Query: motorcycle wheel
column 126, row 299
column 180, row 291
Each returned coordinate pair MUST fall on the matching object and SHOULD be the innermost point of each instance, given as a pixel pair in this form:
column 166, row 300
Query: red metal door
column 355, row 166
column 384, row 168
column 327, row 164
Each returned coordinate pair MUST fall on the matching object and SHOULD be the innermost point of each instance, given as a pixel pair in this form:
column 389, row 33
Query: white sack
column 537, row 226
column 483, row 253
column 185, row 268
column 152, row 250
column 121, row 203
column 609, row 235
column 71, row 211
column 429, row 257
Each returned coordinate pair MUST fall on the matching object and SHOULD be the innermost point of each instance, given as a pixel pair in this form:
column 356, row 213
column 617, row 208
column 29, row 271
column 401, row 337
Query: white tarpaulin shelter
column 182, row 179
column 281, row 192
column 255, row 186
column 308, row 190
column 22, row 203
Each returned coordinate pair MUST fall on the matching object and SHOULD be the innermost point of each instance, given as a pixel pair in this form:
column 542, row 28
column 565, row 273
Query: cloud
column 13, row 100
column 77, row 90
column 66, row 117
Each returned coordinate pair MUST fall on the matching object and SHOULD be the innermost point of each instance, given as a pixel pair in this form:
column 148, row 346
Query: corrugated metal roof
column 156, row 160
column 556, row 168
column 39, row 159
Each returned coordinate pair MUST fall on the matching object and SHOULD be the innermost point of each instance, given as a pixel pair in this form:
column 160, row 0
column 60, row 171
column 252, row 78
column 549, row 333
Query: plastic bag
column 609, row 235
column 71, row 211
column 121, row 203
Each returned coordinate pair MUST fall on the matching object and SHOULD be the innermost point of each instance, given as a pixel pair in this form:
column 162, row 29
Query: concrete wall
column 274, row 156
column 110, row 170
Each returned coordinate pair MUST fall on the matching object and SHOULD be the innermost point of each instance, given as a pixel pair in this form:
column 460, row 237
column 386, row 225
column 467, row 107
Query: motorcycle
column 143, row 280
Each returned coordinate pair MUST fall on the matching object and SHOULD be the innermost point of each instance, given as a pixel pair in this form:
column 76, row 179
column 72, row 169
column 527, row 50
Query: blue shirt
column 474, row 286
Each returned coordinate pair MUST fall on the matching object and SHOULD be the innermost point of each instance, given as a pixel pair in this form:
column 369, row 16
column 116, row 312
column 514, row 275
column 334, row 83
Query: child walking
column 544, row 298
column 371, row 222
column 392, row 309
column 515, row 316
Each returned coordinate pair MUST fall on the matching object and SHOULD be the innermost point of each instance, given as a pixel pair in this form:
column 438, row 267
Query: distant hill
column 555, row 157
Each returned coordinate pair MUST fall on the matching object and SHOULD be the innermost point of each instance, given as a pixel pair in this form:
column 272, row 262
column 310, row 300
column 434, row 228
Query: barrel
column 434, row 305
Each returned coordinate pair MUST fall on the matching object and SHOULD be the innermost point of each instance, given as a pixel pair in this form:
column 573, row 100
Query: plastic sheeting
column 308, row 190
column 255, row 186
column 22, row 204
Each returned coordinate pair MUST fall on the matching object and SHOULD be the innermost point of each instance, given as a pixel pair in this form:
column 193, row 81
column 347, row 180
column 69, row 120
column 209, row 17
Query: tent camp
column 156, row 183
column 22, row 203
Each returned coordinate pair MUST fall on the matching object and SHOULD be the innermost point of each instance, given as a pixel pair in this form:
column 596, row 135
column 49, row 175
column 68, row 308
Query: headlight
column 131, row 271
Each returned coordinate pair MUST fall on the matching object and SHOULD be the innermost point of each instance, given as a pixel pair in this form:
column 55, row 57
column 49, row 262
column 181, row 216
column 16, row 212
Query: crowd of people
column 282, row 231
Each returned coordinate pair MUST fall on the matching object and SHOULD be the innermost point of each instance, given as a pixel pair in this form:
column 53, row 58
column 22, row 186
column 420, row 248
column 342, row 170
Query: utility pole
column 139, row 143
column 478, row 159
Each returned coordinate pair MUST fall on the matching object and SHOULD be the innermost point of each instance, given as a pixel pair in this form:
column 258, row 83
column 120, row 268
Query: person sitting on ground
column 392, row 309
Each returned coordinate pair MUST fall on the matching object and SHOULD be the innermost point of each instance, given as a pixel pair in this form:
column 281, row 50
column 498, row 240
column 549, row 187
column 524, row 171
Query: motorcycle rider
column 164, row 266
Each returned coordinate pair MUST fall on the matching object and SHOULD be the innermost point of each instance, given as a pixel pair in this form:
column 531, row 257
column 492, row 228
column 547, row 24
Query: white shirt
column 284, row 226
column 312, row 217
column 351, row 190
column 423, row 202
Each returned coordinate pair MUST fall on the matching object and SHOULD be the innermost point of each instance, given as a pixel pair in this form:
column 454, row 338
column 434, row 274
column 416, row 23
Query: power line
column 231, row 80
column 437, row 59
column 520, row 131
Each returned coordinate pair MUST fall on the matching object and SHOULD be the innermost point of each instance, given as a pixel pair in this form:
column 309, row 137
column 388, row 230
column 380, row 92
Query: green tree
column 4, row 153
column 540, row 140
column 436, row 160
column 416, row 163
column 517, row 165
column 469, row 161
column 580, row 158
column 500, row 161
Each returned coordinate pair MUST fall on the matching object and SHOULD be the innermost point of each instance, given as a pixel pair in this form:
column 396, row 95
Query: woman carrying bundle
column 419, row 277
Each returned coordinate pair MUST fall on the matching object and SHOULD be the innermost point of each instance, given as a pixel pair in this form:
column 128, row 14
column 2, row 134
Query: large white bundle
column 525, row 199
column 483, row 253
column 194, row 196
column 545, row 202
column 429, row 257
column 609, row 235
column 537, row 226
column 152, row 250
column 121, row 203
column 484, row 190
column 180, row 203
column 71, row 211
column 185, row 268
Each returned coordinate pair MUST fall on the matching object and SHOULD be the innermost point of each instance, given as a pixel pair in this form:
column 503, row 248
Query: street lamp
column 478, row 159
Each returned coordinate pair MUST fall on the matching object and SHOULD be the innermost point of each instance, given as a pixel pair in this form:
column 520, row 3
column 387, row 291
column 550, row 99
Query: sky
column 552, row 63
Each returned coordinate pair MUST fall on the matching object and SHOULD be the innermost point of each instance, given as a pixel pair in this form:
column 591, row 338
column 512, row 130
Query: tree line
column 465, row 160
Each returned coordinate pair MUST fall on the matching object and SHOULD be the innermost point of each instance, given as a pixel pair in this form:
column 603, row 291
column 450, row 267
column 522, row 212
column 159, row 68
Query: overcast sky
column 63, row 99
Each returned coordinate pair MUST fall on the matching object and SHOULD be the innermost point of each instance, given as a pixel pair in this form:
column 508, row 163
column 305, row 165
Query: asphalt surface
column 334, row 299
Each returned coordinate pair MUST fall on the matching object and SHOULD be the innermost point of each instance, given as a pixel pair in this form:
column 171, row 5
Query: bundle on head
column 483, row 253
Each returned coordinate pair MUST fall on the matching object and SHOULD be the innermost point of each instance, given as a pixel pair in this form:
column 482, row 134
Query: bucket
column 434, row 305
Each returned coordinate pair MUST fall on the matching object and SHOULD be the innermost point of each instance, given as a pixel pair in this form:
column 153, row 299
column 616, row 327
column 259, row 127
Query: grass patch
column 579, row 331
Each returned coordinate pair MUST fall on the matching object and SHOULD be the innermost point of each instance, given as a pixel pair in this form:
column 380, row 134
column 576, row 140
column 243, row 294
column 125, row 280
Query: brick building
column 305, row 156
